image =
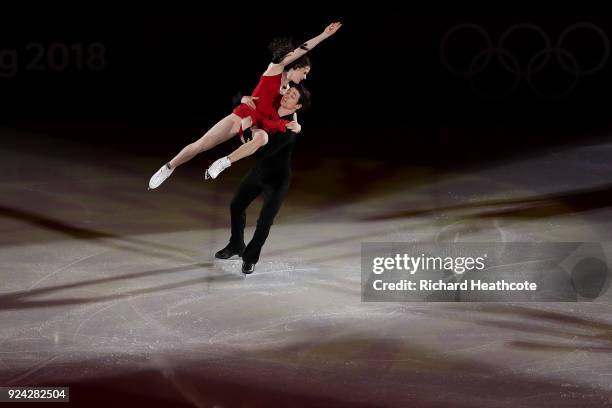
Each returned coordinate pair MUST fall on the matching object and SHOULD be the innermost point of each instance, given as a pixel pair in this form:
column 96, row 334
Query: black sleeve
column 236, row 99
column 247, row 135
column 275, row 143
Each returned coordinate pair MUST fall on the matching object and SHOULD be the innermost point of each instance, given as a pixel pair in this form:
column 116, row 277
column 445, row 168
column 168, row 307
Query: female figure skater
column 286, row 66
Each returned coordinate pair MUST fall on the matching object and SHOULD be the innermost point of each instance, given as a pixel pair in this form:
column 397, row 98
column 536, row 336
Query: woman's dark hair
column 280, row 47
column 304, row 96
column 301, row 62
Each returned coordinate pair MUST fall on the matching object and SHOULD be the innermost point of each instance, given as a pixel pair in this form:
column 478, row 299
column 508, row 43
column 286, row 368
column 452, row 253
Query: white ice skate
column 217, row 167
column 162, row 174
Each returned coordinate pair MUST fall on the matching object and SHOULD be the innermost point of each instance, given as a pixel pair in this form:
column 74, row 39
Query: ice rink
column 114, row 290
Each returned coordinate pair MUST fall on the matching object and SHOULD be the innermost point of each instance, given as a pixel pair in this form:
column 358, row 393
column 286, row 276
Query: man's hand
column 249, row 100
column 294, row 127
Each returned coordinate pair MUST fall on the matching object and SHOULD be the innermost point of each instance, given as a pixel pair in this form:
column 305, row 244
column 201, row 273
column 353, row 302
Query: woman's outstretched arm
column 275, row 69
column 310, row 44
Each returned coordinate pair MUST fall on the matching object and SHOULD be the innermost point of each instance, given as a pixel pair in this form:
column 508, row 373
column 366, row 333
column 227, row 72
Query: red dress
column 266, row 115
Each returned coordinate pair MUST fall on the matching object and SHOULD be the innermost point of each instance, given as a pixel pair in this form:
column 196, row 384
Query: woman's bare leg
column 260, row 138
column 219, row 133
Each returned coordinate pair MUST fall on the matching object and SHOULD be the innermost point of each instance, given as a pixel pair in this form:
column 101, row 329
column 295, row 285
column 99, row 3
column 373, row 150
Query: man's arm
column 274, row 125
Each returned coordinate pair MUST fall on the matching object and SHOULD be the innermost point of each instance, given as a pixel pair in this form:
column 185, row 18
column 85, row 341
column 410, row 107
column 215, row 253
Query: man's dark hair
column 304, row 96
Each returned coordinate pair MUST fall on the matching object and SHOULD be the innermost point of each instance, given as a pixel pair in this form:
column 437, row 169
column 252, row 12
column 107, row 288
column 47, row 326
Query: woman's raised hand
column 332, row 29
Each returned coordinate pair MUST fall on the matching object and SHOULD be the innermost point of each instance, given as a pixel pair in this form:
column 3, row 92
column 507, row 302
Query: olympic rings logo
column 526, row 68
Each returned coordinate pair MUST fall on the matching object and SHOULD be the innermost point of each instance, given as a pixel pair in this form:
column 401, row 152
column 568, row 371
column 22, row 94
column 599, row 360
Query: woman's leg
column 260, row 138
column 219, row 133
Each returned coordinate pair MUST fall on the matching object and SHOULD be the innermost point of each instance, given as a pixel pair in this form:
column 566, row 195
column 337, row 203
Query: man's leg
column 273, row 199
column 249, row 189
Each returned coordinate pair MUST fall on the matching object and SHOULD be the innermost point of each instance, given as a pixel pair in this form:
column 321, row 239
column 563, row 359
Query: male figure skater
column 271, row 176
column 296, row 99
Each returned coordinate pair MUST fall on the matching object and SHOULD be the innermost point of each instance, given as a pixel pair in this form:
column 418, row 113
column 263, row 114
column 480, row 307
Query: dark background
column 379, row 86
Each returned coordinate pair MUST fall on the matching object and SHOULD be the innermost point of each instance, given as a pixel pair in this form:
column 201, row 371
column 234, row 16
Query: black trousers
column 274, row 191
